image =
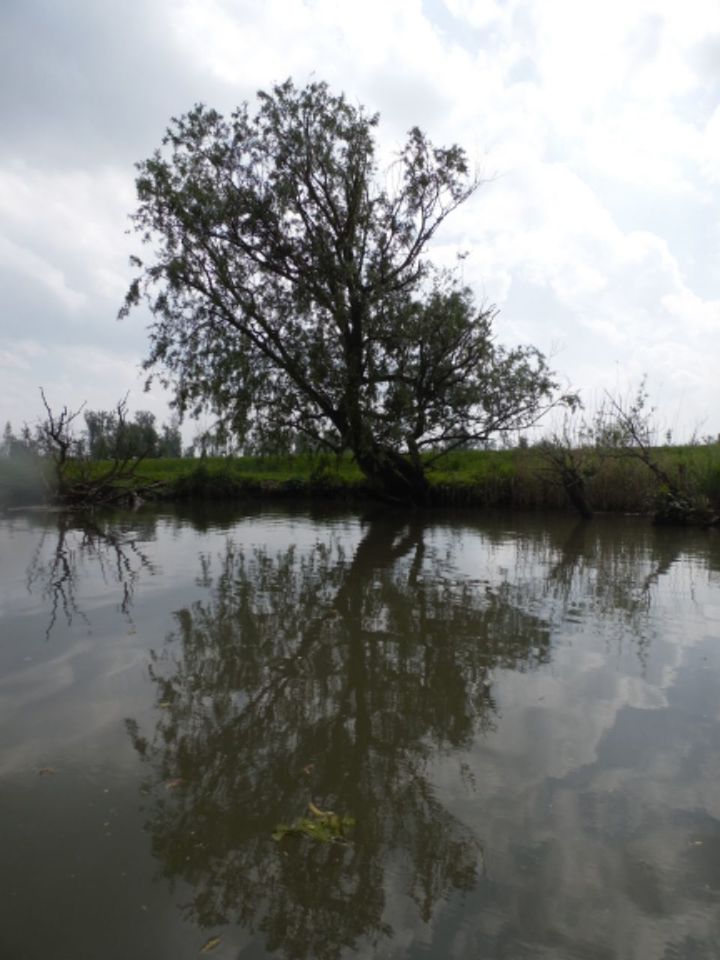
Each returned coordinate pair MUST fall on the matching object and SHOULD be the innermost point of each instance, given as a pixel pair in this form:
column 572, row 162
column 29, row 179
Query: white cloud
column 710, row 149
column 477, row 13
column 71, row 376
column 28, row 265
column 76, row 222
column 598, row 126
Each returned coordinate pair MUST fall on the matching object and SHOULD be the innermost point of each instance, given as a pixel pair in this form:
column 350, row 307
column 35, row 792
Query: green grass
column 517, row 478
column 493, row 478
column 255, row 476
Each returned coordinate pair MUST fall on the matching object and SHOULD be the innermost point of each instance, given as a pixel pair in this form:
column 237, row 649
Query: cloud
column 86, row 82
column 76, row 220
column 71, row 376
column 597, row 128
column 27, row 265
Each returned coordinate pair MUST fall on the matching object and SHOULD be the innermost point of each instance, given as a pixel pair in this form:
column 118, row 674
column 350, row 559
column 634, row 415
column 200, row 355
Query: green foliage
column 291, row 295
column 482, row 478
column 621, row 438
column 324, row 826
column 110, row 434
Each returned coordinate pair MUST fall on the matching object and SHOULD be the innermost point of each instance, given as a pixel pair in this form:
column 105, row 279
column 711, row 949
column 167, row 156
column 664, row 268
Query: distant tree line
column 106, row 436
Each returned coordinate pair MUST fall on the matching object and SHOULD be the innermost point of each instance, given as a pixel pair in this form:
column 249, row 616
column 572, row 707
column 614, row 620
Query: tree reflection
column 73, row 543
column 312, row 675
column 611, row 572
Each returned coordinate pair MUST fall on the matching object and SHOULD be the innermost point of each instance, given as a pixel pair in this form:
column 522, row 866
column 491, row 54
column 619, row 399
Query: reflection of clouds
column 590, row 803
column 63, row 686
column 598, row 790
column 58, row 706
column 568, row 791
column 598, row 804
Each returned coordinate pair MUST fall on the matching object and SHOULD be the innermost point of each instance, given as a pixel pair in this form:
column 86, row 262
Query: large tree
column 292, row 294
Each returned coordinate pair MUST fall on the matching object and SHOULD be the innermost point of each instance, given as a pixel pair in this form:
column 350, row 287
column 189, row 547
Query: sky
column 595, row 125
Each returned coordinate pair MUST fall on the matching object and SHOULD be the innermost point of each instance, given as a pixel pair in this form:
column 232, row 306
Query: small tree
column 8, row 438
column 101, row 426
column 56, row 432
column 568, row 459
column 9, row 441
column 626, row 428
column 170, row 440
column 292, row 296
column 623, row 429
column 76, row 478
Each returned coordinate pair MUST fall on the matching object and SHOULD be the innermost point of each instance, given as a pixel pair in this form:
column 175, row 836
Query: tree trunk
column 392, row 475
column 575, row 490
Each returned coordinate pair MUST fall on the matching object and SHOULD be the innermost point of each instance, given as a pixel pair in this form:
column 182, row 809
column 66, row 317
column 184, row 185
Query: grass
column 488, row 478
column 279, row 475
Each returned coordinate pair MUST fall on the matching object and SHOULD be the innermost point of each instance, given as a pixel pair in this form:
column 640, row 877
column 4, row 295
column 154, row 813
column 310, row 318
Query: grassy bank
column 502, row 478
column 523, row 478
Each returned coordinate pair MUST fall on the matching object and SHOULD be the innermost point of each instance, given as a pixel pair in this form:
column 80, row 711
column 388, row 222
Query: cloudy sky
column 596, row 124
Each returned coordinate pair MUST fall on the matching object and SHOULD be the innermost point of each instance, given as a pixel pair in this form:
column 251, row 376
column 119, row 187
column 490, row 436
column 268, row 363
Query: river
column 310, row 732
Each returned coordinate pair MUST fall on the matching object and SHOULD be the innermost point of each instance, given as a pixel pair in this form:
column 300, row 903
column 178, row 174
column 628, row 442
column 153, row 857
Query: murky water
column 521, row 716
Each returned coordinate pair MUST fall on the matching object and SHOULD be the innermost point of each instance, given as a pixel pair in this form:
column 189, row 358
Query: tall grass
column 617, row 483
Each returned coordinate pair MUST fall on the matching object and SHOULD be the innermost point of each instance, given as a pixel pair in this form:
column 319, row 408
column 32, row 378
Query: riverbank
column 519, row 478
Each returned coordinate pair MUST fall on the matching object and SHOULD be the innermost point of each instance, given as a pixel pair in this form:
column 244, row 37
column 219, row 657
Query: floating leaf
column 210, row 944
column 174, row 783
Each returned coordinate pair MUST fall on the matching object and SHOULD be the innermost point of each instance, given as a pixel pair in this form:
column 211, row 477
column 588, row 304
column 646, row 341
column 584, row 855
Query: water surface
column 520, row 714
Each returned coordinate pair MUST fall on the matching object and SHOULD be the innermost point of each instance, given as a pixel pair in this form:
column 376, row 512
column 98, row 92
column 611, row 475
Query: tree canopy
column 292, row 293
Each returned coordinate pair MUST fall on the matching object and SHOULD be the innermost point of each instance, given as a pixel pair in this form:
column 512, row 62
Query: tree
column 141, row 437
column 292, row 295
column 56, row 432
column 626, row 429
column 9, row 441
column 110, row 434
column 101, row 427
column 170, row 441
column 111, row 437
column 29, row 444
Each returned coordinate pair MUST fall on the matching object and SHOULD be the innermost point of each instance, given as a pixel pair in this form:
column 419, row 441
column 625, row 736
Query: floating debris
column 210, row 944
column 324, row 825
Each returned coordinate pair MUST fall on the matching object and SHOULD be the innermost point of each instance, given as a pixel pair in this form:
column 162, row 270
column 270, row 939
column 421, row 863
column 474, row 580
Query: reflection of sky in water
column 611, row 761
column 594, row 795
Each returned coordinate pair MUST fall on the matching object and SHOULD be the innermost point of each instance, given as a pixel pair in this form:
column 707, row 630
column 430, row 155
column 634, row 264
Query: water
column 521, row 714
